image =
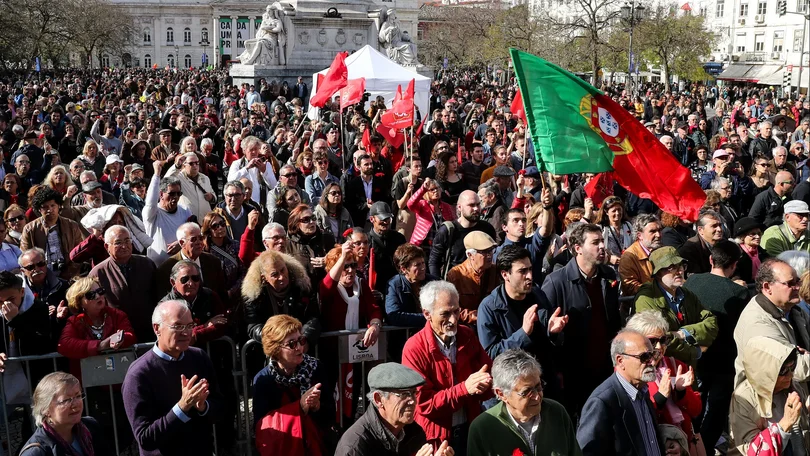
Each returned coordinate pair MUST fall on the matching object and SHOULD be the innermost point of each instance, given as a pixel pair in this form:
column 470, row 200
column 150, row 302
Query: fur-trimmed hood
column 252, row 285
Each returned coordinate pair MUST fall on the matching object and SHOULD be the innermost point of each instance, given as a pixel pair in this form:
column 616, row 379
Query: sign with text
column 359, row 352
column 233, row 34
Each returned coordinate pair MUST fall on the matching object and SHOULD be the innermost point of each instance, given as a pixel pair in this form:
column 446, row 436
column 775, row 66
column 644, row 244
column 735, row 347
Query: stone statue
column 397, row 42
column 270, row 45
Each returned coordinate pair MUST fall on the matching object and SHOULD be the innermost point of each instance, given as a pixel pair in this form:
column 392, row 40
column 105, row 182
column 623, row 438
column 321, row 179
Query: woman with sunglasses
column 58, row 403
column 291, row 392
column 15, row 220
column 431, row 212
column 217, row 242
column 305, row 163
column 330, row 214
column 320, row 178
column 748, row 235
column 9, row 253
column 308, row 243
column 672, row 395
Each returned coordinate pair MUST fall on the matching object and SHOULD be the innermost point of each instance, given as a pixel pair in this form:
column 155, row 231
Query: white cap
column 112, row 158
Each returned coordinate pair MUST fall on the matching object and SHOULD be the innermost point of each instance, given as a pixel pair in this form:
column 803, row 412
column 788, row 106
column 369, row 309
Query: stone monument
column 301, row 37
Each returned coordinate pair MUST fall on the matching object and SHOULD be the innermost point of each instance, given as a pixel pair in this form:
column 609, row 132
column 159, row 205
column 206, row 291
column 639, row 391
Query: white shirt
column 235, row 172
column 159, row 224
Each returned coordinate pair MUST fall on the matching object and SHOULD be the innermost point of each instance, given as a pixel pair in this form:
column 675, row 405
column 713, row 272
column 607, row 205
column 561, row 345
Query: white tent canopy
column 382, row 78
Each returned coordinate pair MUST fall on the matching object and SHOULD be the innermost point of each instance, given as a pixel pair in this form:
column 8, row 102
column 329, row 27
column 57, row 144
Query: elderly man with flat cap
column 476, row 277
column 387, row 428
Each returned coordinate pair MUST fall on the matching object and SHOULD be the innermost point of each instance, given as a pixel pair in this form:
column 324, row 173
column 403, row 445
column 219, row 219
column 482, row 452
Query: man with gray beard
column 618, row 417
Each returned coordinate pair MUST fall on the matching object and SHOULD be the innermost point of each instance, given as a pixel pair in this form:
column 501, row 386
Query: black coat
column 696, row 254
column 762, row 146
column 745, row 268
column 41, row 444
column 384, row 247
column 443, row 241
column 368, row 436
column 768, row 208
column 355, row 199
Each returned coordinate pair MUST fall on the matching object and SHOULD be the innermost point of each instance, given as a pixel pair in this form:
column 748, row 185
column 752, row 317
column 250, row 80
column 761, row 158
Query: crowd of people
column 176, row 208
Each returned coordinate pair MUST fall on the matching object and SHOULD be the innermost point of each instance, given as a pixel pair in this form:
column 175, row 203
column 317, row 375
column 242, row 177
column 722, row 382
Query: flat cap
column 393, row 376
column 478, row 240
column 136, row 167
column 165, row 131
column 532, row 171
column 796, row 207
column 503, row 171
column 90, row 186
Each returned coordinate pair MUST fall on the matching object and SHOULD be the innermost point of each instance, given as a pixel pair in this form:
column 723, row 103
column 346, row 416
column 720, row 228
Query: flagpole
column 342, row 141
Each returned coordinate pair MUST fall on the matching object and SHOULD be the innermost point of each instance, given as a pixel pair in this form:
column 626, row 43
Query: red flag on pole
column 599, row 188
column 392, row 135
column 372, row 271
column 401, row 113
column 352, row 93
column 336, row 78
column 517, row 107
column 366, row 141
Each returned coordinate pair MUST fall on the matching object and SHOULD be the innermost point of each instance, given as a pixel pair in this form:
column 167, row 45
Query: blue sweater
column 152, row 388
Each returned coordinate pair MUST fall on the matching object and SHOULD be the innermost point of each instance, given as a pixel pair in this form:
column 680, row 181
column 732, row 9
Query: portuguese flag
column 576, row 129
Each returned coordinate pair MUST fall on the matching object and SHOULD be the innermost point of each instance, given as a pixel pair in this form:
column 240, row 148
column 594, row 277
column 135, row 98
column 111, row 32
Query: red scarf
column 82, row 433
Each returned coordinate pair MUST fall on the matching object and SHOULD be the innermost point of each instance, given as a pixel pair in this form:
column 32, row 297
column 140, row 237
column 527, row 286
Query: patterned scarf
column 82, row 433
column 302, row 377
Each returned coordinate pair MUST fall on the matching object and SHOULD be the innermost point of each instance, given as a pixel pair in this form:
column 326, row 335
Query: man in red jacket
column 454, row 365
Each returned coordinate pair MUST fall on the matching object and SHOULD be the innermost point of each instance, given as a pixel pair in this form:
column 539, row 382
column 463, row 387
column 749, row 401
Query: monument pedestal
column 251, row 74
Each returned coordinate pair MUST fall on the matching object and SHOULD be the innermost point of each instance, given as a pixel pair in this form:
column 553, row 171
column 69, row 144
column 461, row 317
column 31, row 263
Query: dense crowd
column 173, row 207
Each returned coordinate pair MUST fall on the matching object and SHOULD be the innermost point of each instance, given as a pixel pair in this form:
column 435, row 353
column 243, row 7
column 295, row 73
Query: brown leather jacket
column 70, row 235
column 471, row 288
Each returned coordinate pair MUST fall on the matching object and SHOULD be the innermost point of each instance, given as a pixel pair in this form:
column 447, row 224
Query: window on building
column 170, row 60
column 187, row 61
column 798, row 36
column 801, row 5
column 204, row 35
column 759, row 42
column 170, row 35
column 147, row 35
column 105, row 61
column 187, row 36
column 740, row 43
column 762, row 8
column 744, row 10
column 147, row 61
column 720, row 9
column 703, row 10
column 778, row 40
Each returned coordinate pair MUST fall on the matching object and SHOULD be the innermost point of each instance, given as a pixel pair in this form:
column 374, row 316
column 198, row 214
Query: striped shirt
column 643, row 416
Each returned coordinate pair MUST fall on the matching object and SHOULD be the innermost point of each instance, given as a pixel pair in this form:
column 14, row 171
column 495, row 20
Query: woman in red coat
column 346, row 303
column 94, row 328
column 671, row 393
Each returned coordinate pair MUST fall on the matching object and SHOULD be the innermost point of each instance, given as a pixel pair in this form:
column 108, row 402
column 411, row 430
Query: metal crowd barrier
column 101, row 370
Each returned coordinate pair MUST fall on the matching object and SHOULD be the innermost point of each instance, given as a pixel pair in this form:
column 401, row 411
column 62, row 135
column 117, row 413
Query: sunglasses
column 348, row 266
column 195, row 278
column 787, row 369
column 307, row 220
column 644, row 358
column 34, row 266
column 293, row 344
column 175, row 194
column 93, row 294
column 664, row 340
column 16, row 219
column 217, row 225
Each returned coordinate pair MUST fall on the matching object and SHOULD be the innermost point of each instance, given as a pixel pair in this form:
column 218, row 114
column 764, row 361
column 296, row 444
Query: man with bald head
column 448, row 245
column 768, row 207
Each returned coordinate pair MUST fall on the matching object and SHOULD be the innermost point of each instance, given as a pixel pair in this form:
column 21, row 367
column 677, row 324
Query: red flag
column 336, row 78
column 401, row 113
column 599, row 188
column 372, row 271
column 517, row 107
column 392, row 135
column 421, row 127
column 352, row 93
column 366, row 141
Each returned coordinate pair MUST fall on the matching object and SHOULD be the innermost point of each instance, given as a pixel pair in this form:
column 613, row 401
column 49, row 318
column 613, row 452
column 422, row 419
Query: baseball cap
column 720, row 153
column 381, row 210
column 113, row 158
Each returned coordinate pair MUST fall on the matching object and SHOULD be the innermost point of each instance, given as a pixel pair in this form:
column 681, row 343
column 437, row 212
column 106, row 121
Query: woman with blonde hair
column 58, row 403
column 58, row 178
column 92, row 158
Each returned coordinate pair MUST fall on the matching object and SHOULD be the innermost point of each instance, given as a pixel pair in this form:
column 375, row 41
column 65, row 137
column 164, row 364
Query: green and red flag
column 576, row 129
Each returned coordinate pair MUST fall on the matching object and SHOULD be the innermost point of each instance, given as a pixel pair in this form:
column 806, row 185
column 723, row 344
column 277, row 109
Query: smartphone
column 117, row 337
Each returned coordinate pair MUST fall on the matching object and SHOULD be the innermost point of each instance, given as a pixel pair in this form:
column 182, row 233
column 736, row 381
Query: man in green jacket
column 523, row 423
column 693, row 327
column 790, row 235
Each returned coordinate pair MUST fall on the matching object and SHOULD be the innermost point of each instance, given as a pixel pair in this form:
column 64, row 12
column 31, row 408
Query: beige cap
column 478, row 240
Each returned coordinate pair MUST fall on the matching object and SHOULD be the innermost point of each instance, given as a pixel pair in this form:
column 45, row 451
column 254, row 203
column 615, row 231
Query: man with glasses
column 254, row 167
column 387, row 428
column 768, row 207
column 774, row 313
column 792, row 233
column 54, row 234
column 191, row 248
column 171, row 394
column 477, row 276
column 129, row 280
column 694, row 328
column 234, row 210
column 196, row 186
column 764, row 144
column 384, row 241
column 288, row 177
column 208, row 309
column 162, row 214
column 619, row 417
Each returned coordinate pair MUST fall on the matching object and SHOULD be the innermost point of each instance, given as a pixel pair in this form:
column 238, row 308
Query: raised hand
column 479, row 382
column 665, row 385
column 529, row 319
column 684, row 379
column 253, row 219
column 556, row 323
column 62, row 311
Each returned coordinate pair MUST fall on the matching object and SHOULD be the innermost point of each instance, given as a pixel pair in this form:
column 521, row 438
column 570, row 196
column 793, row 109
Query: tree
column 675, row 43
column 100, row 27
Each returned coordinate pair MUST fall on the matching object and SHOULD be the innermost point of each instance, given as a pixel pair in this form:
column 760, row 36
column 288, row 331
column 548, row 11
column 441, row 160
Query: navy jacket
column 401, row 306
column 537, row 246
column 500, row 327
column 609, row 425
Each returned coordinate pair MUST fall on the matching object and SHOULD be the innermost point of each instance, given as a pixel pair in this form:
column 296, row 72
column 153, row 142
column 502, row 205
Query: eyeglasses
column 307, row 220
column 233, row 195
column 175, row 194
column 182, row 328
column 217, row 225
column 34, row 266
column 293, row 344
column 408, row 394
column 322, row 162
column 65, row 403
column 274, row 238
column 787, row 369
column 787, row 183
column 289, row 175
column 335, row 193
column 793, row 283
column 533, row 391
column 663, row 340
column 762, row 164
column 184, row 280
column 196, row 163
column 348, row 266
column 16, row 219
column 487, row 252
column 644, row 358
column 676, row 267
column 93, row 294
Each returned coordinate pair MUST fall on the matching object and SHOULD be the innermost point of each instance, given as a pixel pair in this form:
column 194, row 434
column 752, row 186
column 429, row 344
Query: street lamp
column 204, row 44
column 177, row 56
column 631, row 14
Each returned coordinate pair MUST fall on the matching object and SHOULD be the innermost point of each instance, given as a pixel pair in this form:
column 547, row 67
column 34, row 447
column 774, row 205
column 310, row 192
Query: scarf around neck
column 81, row 432
column 302, row 377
